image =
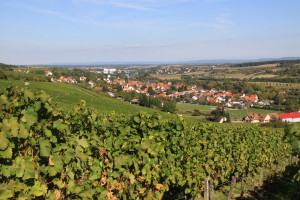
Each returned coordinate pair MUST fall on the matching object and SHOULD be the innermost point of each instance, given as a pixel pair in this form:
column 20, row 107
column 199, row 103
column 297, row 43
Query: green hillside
column 67, row 96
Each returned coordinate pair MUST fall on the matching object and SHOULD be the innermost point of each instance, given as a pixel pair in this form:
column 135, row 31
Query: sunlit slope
column 67, row 96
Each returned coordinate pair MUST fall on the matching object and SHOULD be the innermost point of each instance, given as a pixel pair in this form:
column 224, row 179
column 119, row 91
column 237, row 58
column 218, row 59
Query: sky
column 84, row 31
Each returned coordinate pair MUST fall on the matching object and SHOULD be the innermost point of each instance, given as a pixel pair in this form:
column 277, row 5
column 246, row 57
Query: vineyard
column 46, row 153
column 67, row 96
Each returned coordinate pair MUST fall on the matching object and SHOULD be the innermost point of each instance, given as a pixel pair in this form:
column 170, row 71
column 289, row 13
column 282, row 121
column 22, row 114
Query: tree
column 3, row 74
column 278, row 99
column 127, row 97
column 143, row 100
column 216, row 115
column 151, row 91
column 227, row 117
column 119, row 88
column 156, row 102
column 168, row 92
column 169, row 106
column 292, row 105
column 183, row 88
column 173, row 88
column 143, row 87
column 196, row 112
column 237, row 97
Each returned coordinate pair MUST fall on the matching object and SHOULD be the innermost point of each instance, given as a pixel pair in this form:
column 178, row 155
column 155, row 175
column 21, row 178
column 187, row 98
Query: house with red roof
column 228, row 104
column 163, row 95
column 179, row 94
column 213, row 100
column 54, row 80
column 290, row 117
column 92, row 83
column 246, row 98
column 254, row 97
column 47, row 73
column 228, row 94
column 62, row 79
column 261, row 117
column 213, row 90
column 70, row 80
column 82, row 78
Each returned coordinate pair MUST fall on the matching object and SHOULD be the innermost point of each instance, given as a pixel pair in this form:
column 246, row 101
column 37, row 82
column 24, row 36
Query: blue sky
column 51, row 31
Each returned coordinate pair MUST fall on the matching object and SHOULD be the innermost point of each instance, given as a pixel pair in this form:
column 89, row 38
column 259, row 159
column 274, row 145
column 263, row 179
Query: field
column 67, row 96
column 279, row 84
column 235, row 114
column 248, row 72
column 167, row 76
column 251, row 67
column 243, row 76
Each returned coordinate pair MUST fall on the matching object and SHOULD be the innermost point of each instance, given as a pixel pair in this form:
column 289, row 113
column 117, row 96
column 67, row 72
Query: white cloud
column 44, row 11
column 221, row 22
column 85, row 19
column 123, row 48
column 120, row 4
column 143, row 5
column 224, row 19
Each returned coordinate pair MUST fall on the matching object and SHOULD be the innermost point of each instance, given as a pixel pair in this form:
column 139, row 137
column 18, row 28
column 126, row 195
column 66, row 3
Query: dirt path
column 84, row 91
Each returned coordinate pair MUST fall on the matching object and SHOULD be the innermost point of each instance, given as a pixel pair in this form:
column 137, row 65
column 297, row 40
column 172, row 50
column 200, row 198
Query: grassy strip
column 235, row 114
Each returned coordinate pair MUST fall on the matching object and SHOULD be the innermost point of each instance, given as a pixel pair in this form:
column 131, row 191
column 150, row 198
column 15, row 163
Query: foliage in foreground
column 49, row 154
column 292, row 133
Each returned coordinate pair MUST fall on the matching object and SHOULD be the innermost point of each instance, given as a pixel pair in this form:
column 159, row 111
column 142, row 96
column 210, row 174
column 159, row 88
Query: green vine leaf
column 45, row 148
column 3, row 141
column 38, row 189
column 6, row 194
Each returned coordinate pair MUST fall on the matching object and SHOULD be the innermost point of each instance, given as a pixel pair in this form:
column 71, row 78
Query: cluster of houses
column 64, row 79
column 268, row 117
column 24, row 71
column 191, row 93
column 177, row 69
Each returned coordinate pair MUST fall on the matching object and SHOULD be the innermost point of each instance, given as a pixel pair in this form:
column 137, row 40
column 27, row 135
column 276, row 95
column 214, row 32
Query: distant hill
column 225, row 61
column 204, row 61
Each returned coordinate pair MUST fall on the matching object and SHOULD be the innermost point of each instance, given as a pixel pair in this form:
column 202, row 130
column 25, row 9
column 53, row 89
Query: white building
column 47, row 73
column 290, row 117
column 108, row 71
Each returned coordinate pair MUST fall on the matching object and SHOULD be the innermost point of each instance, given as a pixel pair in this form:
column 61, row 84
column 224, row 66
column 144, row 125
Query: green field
column 239, row 114
column 67, row 96
column 235, row 114
column 279, row 84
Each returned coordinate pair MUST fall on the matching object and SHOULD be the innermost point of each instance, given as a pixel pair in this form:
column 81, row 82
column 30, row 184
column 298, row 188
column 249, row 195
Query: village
column 181, row 93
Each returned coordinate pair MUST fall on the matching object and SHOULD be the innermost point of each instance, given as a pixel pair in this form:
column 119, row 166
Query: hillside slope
column 67, row 96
